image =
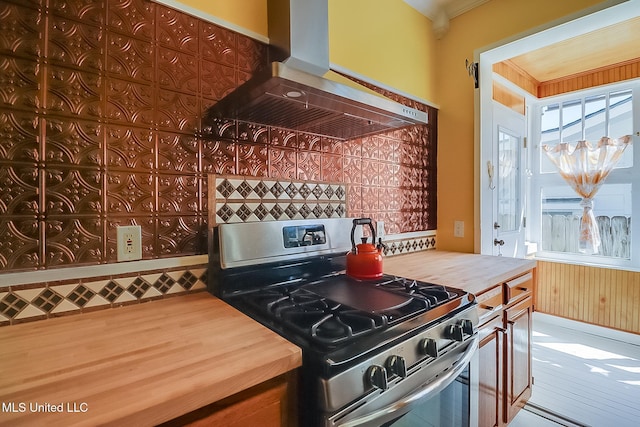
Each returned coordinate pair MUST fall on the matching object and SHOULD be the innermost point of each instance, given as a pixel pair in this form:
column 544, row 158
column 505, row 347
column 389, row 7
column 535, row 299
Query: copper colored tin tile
column 253, row 159
column 219, row 157
column 178, row 153
column 251, row 132
column 308, row 166
column 76, row 44
column 331, row 168
column 177, row 30
column 177, row 111
column 129, row 148
column 23, row 31
column 73, row 240
column 25, row 74
column 352, row 168
column 179, row 235
column 252, row 55
column 130, row 58
column 282, row 163
column 87, row 12
column 177, row 71
column 134, row 18
column 217, row 80
column 177, row 194
column 19, row 244
column 219, row 45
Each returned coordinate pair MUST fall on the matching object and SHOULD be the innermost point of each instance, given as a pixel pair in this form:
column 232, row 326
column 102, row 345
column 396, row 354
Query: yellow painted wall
column 485, row 25
column 248, row 14
column 387, row 41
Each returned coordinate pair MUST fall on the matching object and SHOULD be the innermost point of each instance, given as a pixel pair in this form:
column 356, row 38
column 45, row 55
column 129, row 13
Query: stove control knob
column 454, row 333
column 428, row 346
column 397, row 366
column 377, row 377
column 467, row 326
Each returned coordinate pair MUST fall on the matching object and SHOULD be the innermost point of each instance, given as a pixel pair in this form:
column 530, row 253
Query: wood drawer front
column 489, row 302
column 518, row 288
column 264, row 405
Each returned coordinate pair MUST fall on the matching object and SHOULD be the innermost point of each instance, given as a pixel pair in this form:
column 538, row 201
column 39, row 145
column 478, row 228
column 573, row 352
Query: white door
column 503, row 229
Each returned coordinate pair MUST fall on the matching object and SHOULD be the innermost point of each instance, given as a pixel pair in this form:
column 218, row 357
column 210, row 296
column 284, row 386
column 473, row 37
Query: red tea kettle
column 365, row 259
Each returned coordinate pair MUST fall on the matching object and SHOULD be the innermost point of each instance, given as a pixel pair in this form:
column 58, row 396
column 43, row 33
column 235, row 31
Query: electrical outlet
column 458, row 229
column 129, row 242
column 380, row 229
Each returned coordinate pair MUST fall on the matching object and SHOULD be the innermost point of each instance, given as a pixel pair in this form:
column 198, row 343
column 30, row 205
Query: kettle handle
column 361, row 221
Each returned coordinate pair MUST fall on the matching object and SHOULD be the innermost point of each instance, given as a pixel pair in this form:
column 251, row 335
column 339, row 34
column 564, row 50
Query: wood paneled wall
column 600, row 296
column 509, row 98
column 600, row 76
column 517, row 75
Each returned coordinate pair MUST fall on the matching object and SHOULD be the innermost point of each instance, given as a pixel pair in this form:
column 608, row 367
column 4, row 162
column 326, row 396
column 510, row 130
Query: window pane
column 508, row 181
column 561, row 214
column 549, row 135
column 595, row 116
column 572, row 121
column 621, row 122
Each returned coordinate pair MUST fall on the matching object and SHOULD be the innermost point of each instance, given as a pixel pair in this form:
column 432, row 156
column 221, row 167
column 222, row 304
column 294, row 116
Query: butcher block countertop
column 472, row 272
column 136, row 365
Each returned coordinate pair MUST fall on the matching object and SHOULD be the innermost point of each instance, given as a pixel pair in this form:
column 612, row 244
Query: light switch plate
column 380, row 229
column 129, row 242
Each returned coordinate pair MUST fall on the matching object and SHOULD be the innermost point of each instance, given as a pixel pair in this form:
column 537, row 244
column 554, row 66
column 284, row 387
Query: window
column 555, row 209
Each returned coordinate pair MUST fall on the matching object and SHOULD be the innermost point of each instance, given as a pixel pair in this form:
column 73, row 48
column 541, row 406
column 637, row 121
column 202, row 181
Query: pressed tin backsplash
column 101, row 112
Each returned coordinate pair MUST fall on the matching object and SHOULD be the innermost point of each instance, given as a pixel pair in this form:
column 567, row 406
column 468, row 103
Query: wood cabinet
column 270, row 404
column 518, row 356
column 505, row 349
column 491, row 351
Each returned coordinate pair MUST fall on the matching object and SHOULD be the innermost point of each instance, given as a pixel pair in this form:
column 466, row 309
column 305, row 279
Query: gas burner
column 433, row 294
column 311, row 315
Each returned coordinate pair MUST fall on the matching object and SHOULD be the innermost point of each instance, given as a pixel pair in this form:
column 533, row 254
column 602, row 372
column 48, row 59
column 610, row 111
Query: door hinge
column 524, row 221
column 525, row 141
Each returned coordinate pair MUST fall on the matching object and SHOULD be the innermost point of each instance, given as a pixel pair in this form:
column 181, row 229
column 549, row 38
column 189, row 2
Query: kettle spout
column 381, row 246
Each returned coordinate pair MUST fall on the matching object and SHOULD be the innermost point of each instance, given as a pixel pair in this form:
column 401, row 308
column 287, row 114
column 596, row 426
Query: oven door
column 450, row 399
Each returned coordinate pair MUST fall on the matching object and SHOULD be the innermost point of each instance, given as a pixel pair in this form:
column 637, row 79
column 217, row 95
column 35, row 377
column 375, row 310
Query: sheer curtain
column 585, row 167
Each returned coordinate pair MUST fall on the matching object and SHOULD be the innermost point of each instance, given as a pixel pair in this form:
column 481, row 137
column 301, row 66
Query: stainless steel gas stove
column 389, row 351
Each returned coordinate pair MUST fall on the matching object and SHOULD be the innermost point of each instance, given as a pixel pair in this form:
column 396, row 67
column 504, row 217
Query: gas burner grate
column 432, row 294
column 325, row 321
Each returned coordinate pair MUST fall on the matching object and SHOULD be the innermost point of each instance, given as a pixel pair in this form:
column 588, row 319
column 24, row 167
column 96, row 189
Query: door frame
column 587, row 20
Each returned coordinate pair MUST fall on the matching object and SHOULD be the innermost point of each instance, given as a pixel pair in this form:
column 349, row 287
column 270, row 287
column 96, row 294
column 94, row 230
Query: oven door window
column 449, row 408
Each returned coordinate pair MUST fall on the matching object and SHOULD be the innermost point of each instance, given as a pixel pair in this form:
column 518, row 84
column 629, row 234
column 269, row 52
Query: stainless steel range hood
column 296, row 94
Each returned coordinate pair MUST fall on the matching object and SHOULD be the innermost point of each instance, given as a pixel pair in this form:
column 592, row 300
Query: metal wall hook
column 472, row 69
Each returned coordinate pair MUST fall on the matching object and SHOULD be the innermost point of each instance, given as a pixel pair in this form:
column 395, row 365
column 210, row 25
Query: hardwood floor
column 583, row 376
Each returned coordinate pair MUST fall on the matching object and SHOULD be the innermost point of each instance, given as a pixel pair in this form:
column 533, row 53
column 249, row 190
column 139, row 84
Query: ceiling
column 434, row 9
column 607, row 46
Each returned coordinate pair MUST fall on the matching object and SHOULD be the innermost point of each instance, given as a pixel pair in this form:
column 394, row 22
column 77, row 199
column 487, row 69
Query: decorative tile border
column 410, row 242
column 245, row 199
column 24, row 303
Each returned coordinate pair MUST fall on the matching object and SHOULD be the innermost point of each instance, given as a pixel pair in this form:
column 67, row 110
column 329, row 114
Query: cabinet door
column 265, row 405
column 490, row 355
column 518, row 356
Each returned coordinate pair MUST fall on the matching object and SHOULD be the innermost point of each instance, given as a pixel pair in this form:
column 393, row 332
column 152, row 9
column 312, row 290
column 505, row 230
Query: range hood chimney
column 295, row 94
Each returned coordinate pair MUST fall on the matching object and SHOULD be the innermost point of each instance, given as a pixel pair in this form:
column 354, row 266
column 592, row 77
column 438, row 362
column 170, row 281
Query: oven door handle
column 434, row 387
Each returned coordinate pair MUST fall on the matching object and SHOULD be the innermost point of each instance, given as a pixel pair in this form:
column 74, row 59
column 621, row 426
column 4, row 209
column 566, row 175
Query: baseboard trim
column 587, row 328
column 552, row 416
